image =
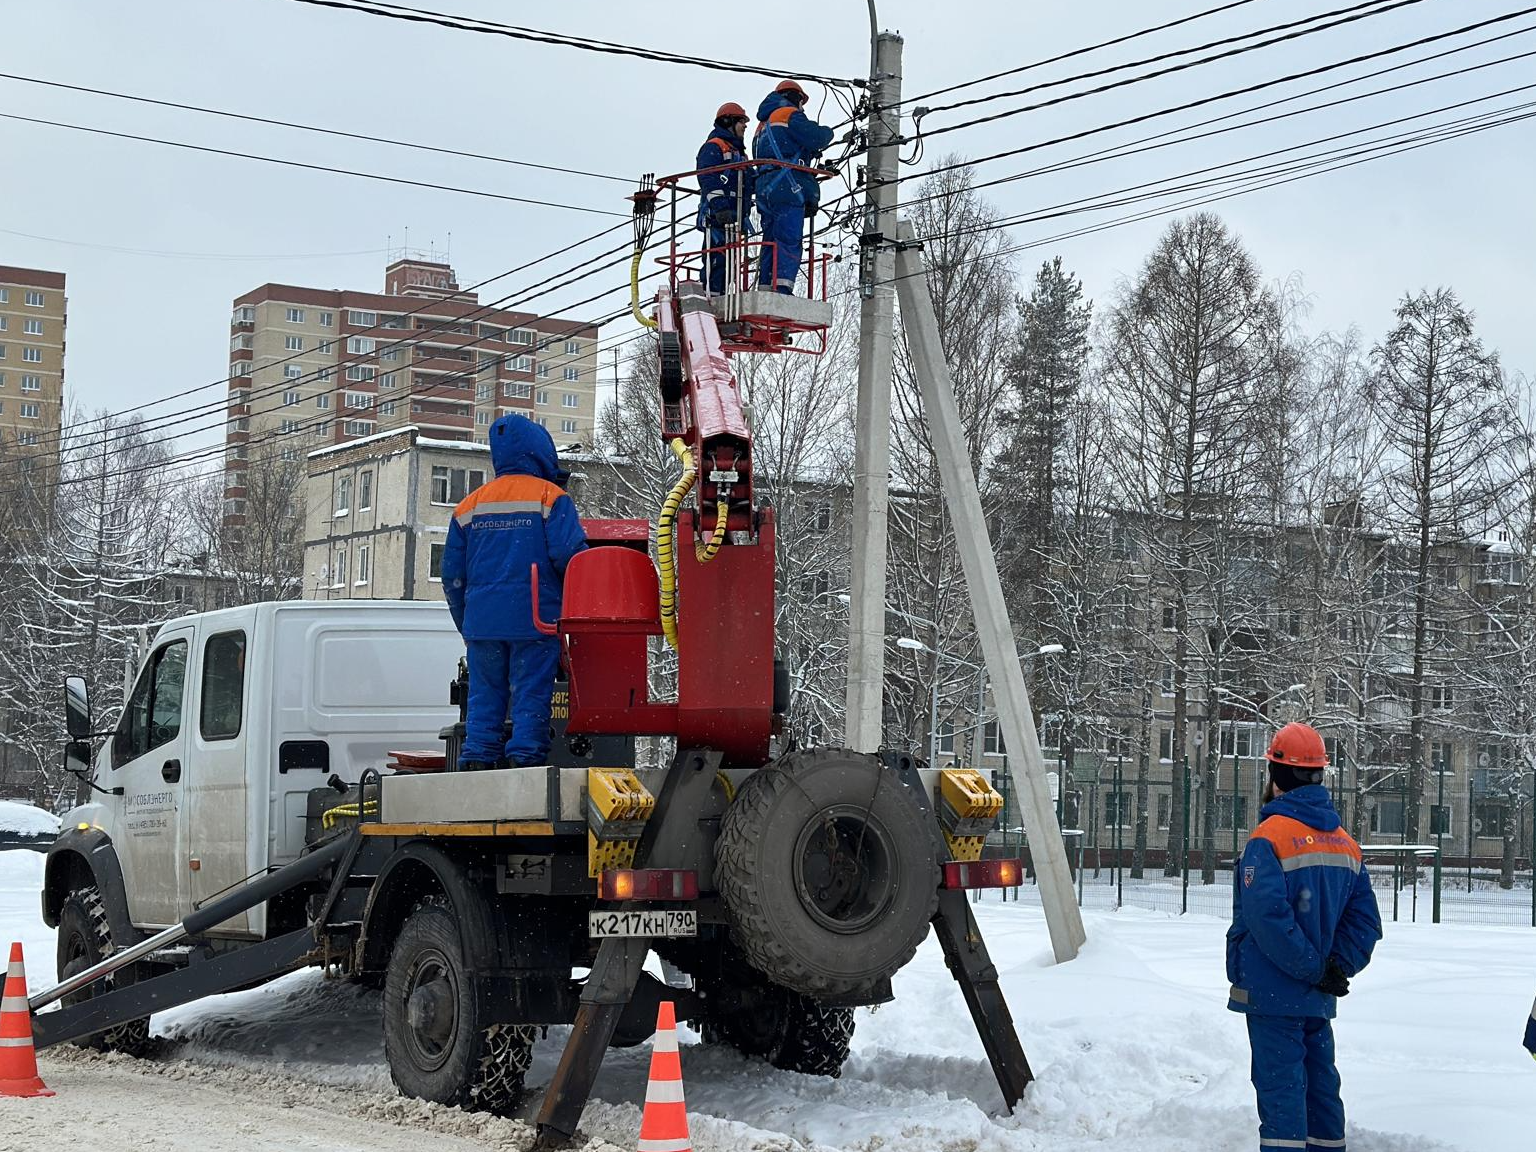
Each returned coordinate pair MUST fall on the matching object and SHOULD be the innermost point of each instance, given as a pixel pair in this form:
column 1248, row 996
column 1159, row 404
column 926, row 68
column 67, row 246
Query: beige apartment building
column 314, row 367
column 32, row 320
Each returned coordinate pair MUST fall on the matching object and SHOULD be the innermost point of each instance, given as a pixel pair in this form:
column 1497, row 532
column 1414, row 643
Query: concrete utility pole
column 1010, row 696
column 872, row 443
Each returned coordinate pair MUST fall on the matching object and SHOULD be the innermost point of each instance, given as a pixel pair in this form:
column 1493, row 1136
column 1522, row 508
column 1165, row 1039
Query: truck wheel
column 790, row 1031
column 84, row 938
column 436, row 1045
column 829, row 870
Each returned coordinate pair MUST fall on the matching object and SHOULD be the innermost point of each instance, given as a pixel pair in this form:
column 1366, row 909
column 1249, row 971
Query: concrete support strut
column 994, row 629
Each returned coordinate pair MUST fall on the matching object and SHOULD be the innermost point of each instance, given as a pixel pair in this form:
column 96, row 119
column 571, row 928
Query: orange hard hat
column 731, row 111
column 1298, row 745
column 792, row 86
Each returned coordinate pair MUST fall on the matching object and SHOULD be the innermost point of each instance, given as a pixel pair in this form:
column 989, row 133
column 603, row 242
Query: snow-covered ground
column 1132, row 1045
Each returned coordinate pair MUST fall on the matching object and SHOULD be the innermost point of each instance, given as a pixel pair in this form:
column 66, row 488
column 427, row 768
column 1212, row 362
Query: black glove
column 810, row 211
column 1334, row 982
column 722, row 217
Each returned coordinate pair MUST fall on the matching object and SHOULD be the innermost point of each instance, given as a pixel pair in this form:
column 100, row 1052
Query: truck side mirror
column 77, row 709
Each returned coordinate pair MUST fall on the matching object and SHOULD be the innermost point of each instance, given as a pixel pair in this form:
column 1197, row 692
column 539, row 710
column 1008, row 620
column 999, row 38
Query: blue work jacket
column 730, row 190
column 786, row 133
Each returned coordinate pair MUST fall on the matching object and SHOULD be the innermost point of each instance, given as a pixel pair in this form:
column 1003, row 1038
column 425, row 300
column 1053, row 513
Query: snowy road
column 1131, row 1043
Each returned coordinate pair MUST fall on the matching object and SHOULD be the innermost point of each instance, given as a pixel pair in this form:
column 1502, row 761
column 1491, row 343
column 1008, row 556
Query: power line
column 311, row 128
column 1292, row 30
column 1162, row 140
column 426, row 305
column 193, row 255
column 560, row 39
column 310, row 167
column 1227, row 95
column 1075, row 52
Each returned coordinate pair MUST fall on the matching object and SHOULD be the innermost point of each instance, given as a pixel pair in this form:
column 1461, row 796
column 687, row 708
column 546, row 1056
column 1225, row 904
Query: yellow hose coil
column 665, row 531
column 634, row 290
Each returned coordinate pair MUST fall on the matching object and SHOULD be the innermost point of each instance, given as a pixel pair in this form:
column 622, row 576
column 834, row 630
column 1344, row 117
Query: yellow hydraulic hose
column 664, row 533
column 634, row 289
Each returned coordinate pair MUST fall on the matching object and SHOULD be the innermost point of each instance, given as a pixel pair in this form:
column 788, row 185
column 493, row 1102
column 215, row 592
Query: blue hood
column 519, row 447
column 1310, row 804
column 715, row 131
column 772, row 103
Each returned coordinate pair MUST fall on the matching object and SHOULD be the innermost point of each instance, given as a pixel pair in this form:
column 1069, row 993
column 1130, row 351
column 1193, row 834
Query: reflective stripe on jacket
column 719, row 190
column 786, row 133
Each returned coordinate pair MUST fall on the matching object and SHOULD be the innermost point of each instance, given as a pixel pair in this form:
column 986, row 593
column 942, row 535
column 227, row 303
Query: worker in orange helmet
column 1304, row 922
column 786, row 198
column 725, row 193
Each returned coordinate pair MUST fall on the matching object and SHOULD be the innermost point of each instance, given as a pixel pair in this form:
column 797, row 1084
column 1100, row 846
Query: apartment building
column 32, row 319
column 313, row 367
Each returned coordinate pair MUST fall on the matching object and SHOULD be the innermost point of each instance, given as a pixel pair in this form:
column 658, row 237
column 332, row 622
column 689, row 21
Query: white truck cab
column 234, row 716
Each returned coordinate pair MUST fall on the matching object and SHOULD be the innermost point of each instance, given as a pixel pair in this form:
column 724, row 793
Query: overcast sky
column 142, row 325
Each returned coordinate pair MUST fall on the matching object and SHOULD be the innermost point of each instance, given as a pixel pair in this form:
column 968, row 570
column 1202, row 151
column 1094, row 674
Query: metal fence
column 1161, row 846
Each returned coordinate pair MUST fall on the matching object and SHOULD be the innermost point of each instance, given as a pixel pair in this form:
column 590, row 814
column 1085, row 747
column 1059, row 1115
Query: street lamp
column 913, row 645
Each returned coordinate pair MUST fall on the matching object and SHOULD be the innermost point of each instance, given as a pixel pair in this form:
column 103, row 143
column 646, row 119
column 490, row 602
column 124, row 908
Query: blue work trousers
column 783, row 232
column 716, row 261
column 519, row 673
column 1297, row 1083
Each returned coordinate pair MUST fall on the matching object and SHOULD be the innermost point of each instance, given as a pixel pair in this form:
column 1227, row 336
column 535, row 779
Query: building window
column 287, row 427
column 522, row 364
column 323, row 375
column 1224, row 812
column 482, row 419
column 34, row 299
column 1440, row 697
column 1170, row 618
column 1387, row 816
column 542, row 372
column 1119, row 811
column 343, row 495
column 1168, row 679
column 30, row 383
column 483, row 391
column 293, row 343
column 435, row 562
column 390, row 355
column 2, row 351
column 992, row 743
column 295, row 316
column 240, row 368
column 245, row 314
column 1238, row 740
column 339, row 577
column 1165, row 745
column 568, row 427
column 323, row 400
column 360, row 345
column 362, row 319
column 1335, row 689
column 450, row 485
column 571, row 375
column 518, row 388
column 365, row 490
column 387, row 380
column 364, row 564
column 1164, row 811
column 570, row 400
column 491, row 332
column 573, row 347
column 543, row 396
column 359, row 400
column 292, row 372
column 29, row 412
column 32, row 326
column 360, row 372
column 327, row 319
column 288, row 454
column 1439, row 819
column 946, row 737
column 520, row 336
column 291, row 398
column 1442, row 757
column 387, row 408
column 392, row 322
column 358, row 428
column 32, row 355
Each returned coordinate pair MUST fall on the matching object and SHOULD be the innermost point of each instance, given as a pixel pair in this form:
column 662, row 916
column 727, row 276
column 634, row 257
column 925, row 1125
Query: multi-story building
column 32, row 319
column 311, row 367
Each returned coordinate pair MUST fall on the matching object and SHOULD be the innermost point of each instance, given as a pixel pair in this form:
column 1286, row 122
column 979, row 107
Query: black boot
column 475, row 766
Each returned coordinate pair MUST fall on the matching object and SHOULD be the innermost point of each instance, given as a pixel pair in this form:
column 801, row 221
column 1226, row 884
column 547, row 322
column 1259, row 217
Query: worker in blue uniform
column 786, row 198
column 725, row 194
column 1304, row 922
column 500, row 533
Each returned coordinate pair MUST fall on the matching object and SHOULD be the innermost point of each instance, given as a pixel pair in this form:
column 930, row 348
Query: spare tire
column 829, row 868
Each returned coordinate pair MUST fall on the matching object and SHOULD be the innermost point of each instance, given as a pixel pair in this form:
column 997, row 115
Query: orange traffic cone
column 18, row 1062
column 664, row 1124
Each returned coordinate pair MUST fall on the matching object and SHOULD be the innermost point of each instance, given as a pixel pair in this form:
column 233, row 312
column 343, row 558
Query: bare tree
column 1440, row 401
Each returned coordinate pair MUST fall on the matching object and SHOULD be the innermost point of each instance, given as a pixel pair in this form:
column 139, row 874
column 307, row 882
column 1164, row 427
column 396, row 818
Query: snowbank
column 27, row 819
column 1131, row 1045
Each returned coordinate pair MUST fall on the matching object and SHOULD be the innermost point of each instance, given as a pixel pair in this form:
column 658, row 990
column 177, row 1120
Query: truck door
column 215, row 845
column 149, row 752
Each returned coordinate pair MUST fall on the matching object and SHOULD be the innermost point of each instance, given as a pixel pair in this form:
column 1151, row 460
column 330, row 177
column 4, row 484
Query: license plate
column 643, row 922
